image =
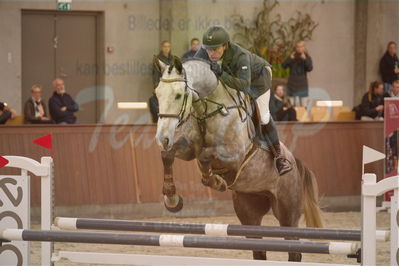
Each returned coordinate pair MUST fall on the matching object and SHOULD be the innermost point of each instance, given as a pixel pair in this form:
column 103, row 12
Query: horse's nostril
column 165, row 142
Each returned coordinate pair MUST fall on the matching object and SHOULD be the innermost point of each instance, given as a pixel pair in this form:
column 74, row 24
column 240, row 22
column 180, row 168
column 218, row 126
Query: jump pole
column 220, row 230
column 344, row 248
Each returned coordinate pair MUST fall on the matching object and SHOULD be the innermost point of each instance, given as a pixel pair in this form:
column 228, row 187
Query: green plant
column 272, row 38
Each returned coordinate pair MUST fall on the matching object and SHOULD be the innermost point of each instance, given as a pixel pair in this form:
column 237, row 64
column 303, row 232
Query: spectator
column 280, row 106
column 299, row 63
column 166, row 57
column 35, row 109
column 395, row 89
column 6, row 113
column 61, row 105
column 372, row 105
column 194, row 47
column 389, row 66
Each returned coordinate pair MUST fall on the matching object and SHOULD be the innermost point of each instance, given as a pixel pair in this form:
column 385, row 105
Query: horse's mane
column 196, row 59
column 206, row 63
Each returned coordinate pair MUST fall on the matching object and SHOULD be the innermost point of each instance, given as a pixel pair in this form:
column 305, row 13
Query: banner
column 391, row 135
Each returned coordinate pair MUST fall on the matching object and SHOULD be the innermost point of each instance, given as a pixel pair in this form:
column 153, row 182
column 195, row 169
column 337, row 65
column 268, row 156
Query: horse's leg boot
column 282, row 164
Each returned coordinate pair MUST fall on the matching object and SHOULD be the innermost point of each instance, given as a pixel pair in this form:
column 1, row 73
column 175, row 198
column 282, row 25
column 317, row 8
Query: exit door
column 57, row 45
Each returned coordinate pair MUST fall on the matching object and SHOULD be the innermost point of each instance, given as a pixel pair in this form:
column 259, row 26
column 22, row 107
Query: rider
column 244, row 71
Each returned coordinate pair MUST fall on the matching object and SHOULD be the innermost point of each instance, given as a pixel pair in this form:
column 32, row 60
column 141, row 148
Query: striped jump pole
column 180, row 241
column 220, row 230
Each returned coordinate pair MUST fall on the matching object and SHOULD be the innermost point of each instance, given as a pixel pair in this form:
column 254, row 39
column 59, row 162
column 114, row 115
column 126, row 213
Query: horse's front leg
column 173, row 202
column 209, row 178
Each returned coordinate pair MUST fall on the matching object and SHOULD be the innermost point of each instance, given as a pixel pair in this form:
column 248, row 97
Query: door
column 38, row 53
column 61, row 45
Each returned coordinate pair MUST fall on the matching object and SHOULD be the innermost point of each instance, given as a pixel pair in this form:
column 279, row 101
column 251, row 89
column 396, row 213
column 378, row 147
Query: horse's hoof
column 177, row 208
column 215, row 182
column 222, row 185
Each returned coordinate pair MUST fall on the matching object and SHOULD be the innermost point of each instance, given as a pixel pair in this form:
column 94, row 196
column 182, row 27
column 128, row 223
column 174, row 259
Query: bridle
column 181, row 115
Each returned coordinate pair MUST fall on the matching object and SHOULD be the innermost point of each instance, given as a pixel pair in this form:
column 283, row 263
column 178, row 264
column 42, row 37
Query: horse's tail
column 310, row 199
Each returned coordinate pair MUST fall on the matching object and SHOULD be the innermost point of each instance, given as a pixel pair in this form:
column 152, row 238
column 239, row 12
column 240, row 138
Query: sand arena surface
column 341, row 220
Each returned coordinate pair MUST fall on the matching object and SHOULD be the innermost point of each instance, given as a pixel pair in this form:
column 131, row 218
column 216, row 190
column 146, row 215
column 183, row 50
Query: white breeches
column 263, row 105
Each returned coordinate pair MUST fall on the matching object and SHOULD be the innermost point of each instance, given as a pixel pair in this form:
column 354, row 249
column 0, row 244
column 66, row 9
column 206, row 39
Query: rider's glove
column 215, row 67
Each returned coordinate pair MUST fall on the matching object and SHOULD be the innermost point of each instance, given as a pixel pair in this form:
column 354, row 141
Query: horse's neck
column 201, row 78
column 225, row 95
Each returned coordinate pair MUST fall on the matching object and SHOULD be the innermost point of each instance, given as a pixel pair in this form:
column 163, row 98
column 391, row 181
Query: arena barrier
column 15, row 224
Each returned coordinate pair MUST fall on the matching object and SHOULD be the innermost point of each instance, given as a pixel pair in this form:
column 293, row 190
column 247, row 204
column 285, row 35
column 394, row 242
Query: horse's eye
column 178, row 96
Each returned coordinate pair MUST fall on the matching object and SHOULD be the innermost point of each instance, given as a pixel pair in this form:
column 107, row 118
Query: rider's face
column 217, row 53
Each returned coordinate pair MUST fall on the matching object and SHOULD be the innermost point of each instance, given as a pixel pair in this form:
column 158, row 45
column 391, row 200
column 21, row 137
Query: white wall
column 331, row 48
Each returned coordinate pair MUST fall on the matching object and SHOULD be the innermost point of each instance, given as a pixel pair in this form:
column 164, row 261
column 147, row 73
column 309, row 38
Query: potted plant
column 272, row 38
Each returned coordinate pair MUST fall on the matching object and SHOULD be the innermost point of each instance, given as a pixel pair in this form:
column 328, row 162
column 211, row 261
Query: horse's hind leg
column 250, row 209
column 287, row 210
column 173, row 202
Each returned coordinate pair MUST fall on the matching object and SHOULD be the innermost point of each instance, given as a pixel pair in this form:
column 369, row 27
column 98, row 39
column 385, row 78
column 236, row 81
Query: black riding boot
column 282, row 164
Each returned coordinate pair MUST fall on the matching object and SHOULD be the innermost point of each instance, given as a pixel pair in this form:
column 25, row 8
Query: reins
column 222, row 109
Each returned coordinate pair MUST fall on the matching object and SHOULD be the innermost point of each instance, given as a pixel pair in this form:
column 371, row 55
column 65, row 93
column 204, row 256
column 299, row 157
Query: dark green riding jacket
column 243, row 70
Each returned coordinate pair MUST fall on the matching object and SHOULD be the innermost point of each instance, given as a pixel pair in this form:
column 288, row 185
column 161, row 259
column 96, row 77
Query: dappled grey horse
column 201, row 118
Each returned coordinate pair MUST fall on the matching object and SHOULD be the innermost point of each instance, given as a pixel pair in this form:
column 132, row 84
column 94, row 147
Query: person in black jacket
column 5, row 113
column 166, row 57
column 35, row 109
column 389, row 66
column 299, row 63
column 61, row 105
column 280, row 106
column 194, row 47
column 372, row 105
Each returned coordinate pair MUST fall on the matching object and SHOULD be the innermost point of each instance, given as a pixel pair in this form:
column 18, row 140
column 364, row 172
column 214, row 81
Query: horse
column 202, row 119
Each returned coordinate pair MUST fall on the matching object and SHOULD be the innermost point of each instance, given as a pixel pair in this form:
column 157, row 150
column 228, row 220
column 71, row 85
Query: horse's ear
column 158, row 64
column 178, row 64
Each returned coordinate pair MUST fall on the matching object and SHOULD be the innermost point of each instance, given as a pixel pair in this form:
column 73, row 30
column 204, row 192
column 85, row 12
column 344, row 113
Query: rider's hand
column 215, row 67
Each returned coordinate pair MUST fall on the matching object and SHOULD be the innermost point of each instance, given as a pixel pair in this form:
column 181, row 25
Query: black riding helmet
column 214, row 37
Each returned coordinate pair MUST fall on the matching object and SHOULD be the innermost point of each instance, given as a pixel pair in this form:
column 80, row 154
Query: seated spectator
column 61, row 105
column 6, row 113
column 389, row 66
column 194, row 47
column 35, row 109
column 372, row 105
column 395, row 89
column 280, row 106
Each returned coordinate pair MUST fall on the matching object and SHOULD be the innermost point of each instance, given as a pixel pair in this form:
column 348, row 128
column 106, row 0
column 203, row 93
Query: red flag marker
column 3, row 161
column 45, row 141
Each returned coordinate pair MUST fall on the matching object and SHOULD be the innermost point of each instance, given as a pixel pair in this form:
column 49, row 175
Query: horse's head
column 175, row 100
